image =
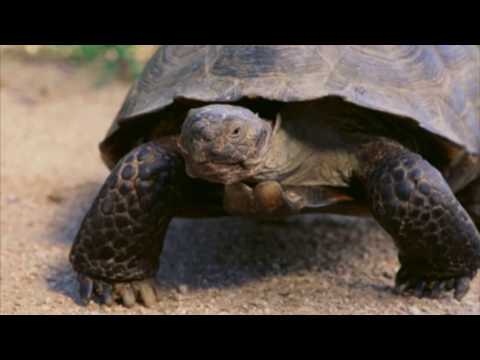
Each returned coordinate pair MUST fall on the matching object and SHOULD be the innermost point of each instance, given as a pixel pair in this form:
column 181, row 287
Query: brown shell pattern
column 437, row 85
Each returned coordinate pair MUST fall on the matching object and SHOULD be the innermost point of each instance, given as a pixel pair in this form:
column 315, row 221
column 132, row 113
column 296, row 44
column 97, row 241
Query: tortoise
column 391, row 132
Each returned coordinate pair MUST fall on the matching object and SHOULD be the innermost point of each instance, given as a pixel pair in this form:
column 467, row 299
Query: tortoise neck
column 283, row 155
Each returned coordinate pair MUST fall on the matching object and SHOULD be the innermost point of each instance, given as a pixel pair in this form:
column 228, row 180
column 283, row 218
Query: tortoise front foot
column 128, row 293
column 438, row 243
column 116, row 251
column 408, row 282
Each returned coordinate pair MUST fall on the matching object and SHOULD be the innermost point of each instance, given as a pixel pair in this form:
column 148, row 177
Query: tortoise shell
column 437, row 87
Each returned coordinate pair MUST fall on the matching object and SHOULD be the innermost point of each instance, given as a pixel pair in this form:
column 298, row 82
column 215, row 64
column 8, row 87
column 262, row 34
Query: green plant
column 116, row 60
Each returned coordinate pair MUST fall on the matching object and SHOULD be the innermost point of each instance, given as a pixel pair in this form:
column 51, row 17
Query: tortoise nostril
column 208, row 136
column 202, row 135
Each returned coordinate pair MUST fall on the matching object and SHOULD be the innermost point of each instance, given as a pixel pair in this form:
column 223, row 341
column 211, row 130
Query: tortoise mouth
column 224, row 173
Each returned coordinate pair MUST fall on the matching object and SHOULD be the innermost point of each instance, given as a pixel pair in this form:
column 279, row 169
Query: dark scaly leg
column 439, row 245
column 116, row 251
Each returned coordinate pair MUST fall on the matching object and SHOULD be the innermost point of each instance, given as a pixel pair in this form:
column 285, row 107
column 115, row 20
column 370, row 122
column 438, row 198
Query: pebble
column 44, row 91
column 387, row 275
column 144, row 311
column 55, row 198
column 183, row 289
column 415, row 310
column 12, row 199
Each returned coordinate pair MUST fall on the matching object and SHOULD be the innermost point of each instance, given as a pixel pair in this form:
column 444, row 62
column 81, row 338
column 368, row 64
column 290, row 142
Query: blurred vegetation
column 116, row 61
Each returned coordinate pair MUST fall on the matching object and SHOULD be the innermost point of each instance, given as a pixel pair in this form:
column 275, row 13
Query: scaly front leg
column 116, row 251
column 439, row 245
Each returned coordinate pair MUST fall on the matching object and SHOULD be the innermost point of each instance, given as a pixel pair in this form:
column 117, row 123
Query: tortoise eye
column 236, row 131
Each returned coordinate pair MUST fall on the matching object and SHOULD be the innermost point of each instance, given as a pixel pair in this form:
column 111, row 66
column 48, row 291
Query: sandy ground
column 52, row 118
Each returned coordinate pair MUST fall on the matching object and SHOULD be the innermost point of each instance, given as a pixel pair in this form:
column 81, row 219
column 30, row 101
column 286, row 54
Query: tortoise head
column 223, row 143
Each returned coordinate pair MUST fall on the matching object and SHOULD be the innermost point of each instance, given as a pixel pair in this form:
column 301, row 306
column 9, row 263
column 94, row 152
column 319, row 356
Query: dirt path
column 51, row 121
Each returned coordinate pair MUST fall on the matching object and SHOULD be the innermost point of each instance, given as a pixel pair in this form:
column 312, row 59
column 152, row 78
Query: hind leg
column 438, row 243
column 470, row 199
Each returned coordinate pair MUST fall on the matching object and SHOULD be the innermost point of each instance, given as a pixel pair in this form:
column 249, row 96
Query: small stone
column 143, row 311
column 12, row 199
column 415, row 310
column 55, row 198
column 183, row 289
column 44, row 91
column 387, row 275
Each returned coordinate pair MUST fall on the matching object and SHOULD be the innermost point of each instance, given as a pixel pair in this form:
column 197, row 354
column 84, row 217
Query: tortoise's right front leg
column 116, row 251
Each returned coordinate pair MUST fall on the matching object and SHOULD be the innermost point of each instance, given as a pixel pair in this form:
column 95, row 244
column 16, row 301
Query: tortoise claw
column 401, row 288
column 420, row 289
column 408, row 284
column 437, row 287
column 126, row 294
column 144, row 291
column 462, row 286
column 107, row 295
column 85, row 289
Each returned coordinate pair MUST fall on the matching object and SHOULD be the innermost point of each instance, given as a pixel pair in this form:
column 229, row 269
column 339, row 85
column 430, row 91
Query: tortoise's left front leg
column 438, row 243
